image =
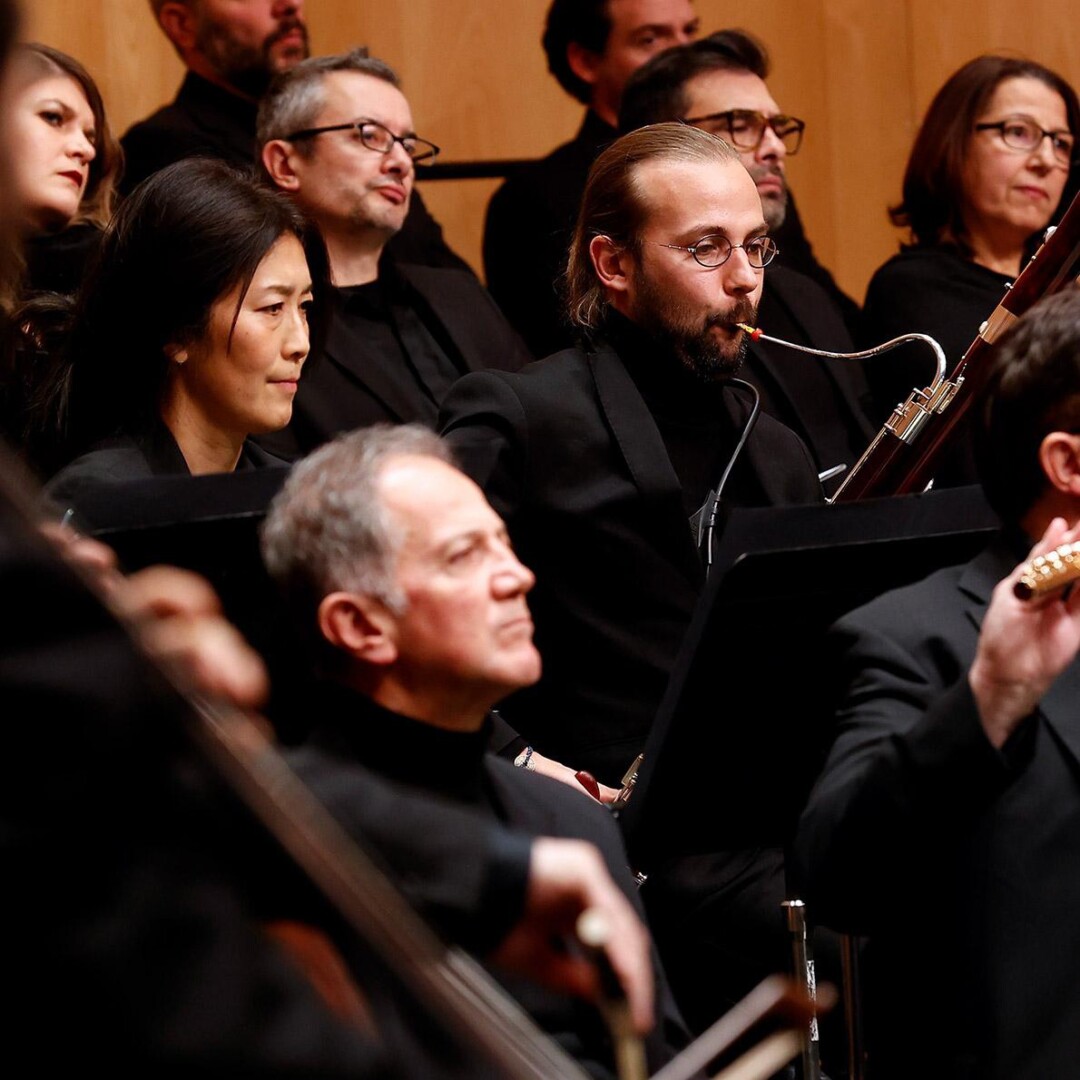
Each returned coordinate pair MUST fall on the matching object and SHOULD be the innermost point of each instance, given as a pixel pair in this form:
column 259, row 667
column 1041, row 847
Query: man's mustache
column 742, row 311
column 286, row 28
column 758, row 172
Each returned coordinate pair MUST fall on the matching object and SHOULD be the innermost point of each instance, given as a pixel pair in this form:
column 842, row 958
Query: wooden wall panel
column 948, row 35
column 868, row 126
column 118, row 40
column 861, row 74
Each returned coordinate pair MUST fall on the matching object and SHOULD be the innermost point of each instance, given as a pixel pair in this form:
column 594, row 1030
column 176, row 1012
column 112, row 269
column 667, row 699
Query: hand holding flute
column 1024, row 645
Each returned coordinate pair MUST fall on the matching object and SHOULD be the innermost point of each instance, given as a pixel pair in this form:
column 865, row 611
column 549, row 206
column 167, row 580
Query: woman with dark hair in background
column 65, row 165
column 990, row 168
column 190, row 332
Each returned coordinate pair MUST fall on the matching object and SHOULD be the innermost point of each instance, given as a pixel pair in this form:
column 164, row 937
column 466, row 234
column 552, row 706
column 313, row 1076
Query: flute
column 1048, row 573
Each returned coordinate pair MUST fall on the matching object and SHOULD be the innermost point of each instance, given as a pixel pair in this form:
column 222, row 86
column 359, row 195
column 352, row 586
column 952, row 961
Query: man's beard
column 702, row 352
column 773, row 206
column 244, row 67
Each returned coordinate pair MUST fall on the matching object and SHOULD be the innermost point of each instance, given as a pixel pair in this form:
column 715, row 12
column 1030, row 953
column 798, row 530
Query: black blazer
column 534, row 212
column 960, row 862
column 568, row 453
column 342, row 389
column 136, row 456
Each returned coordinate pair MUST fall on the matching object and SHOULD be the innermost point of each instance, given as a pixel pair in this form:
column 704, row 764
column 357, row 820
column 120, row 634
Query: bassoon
column 905, row 453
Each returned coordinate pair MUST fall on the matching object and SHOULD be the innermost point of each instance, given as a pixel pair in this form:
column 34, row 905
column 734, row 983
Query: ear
column 177, row 20
column 177, row 354
column 611, row 263
column 278, row 158
column 360, row 626
column 1059, row 457
column 582, row 62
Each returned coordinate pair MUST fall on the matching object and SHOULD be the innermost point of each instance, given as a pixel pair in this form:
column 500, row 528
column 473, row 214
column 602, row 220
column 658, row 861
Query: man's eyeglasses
column 715, row 250
column 377, row 137
column 745, row 128
column 1022, row 133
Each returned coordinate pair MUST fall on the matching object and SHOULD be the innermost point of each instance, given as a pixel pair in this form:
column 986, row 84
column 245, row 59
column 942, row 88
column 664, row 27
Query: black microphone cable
column 714, row 504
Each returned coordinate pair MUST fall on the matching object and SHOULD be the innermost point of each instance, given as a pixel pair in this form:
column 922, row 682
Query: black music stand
column 208, row 524
column 743, row 727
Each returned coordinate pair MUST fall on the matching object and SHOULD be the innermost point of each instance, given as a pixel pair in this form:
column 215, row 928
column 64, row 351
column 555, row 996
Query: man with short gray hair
column 337, row 136
column 397, row 563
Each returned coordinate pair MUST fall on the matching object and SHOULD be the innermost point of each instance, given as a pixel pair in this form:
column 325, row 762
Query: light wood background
column 860, row 72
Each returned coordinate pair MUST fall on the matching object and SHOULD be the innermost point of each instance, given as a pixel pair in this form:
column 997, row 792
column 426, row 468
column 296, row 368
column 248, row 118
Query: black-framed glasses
column 745, row 128
column 1022, row 133
column 715, row 250
column 377, row 137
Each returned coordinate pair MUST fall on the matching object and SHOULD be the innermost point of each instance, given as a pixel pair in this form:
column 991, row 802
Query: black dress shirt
column 392, row 350
column 383, row 317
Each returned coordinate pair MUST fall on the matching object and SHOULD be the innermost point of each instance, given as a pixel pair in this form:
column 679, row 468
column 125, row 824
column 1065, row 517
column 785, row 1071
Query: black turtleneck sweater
column 351, row 730
column 437, row 760
column 696, row 428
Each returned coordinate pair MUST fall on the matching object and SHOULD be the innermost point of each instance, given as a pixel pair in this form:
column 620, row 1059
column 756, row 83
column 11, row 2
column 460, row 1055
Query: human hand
column 567, row 877
column 1024, row 645
column 177, row 616
column 90, row 557
column 179, row 620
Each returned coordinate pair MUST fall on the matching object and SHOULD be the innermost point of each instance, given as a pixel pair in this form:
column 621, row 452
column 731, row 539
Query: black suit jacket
column 529, row 223
column 343, row 389
column 960, row 862
column 203, row 120
column 568, row 453
column 826, row 407
column 132, row 457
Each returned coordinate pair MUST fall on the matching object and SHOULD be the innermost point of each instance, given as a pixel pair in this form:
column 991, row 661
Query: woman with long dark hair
column 191, row 330
column 991, row 166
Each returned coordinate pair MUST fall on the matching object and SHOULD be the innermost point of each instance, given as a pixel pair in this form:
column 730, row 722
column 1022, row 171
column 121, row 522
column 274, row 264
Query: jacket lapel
column 755, row 454
column 642, row 448
column 979, row 577
column 367, row 373
column 841, row 373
